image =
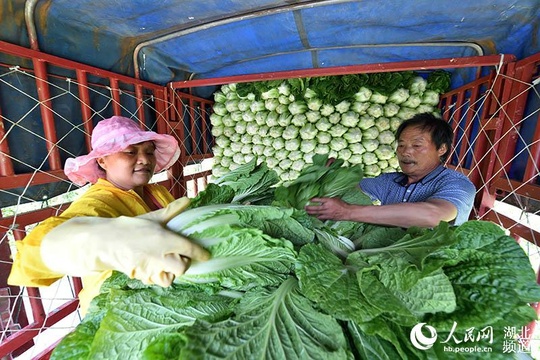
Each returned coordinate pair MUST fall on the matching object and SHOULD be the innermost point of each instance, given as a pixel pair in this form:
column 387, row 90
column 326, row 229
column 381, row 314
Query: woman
column 118, row 223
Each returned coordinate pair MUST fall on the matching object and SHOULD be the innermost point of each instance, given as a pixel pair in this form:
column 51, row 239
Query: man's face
column 132, row 167
column 417, row 154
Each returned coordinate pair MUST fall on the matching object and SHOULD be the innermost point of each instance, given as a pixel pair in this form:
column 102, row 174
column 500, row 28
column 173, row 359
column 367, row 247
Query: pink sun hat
column 113, row 135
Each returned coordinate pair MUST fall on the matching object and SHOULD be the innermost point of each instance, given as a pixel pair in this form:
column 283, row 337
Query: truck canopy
column 177, row 40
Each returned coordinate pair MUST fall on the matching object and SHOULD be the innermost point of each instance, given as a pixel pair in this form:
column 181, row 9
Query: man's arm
column 424, row 214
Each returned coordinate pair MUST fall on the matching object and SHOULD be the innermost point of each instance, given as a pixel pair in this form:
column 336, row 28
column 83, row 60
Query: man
column 423, row 194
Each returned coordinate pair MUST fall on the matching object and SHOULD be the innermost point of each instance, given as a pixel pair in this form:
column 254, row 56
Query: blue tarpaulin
column 171, row 40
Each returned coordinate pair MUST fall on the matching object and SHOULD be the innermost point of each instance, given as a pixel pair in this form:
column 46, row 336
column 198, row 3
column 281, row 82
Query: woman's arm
column 100, row 200
column 28, row 268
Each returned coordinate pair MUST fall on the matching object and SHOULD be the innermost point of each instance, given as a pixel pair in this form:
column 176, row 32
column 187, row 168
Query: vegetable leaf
column 331, row 285
column 416, row 249
column 135, row 318
column 318, row 180
column 269, row 323
column 243, row 259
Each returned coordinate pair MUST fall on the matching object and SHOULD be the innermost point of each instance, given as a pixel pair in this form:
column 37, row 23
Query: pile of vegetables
column 351, row 117
column 284, row 285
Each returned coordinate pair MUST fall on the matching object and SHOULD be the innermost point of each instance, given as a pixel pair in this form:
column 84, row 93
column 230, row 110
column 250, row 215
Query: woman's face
column 132, row 167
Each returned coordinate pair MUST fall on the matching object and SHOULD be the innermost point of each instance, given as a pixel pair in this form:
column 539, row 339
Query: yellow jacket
column 103, row 200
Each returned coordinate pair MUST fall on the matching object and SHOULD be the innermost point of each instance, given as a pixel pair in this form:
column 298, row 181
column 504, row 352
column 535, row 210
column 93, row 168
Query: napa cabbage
column 282, row 284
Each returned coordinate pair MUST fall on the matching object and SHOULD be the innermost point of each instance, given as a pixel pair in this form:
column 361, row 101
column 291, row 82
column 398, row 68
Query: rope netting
column 488, row 135
column 26, row 199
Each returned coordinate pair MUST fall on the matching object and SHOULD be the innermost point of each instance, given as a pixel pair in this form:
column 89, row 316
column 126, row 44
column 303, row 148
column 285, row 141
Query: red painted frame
column 10, row 180
column 169, row 121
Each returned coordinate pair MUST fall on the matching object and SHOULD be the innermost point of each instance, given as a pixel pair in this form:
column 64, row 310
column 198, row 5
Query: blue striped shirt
column 441, row 183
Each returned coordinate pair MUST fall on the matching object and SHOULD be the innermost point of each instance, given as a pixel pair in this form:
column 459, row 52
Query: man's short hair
column 440, row 131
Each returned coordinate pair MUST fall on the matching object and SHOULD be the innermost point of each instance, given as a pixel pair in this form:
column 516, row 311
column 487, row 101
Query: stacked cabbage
column 349, row 117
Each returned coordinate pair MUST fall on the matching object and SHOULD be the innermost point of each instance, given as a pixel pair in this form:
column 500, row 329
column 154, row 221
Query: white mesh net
column 489, row 133
column 68, row 140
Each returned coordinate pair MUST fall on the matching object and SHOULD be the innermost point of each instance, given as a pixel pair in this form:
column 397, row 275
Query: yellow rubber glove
column 140, row 247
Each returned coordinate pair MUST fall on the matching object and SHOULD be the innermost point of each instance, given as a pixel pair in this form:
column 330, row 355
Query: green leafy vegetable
column 336, row 112
column 247, row 180
column 318, row 180
column 439, row 81
column 281, row 284
column 278, row 323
